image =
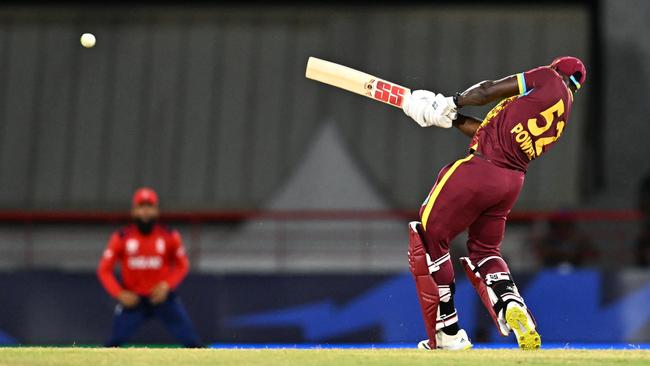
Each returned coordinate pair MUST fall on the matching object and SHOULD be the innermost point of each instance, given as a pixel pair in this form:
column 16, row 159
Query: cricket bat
column 356, row 81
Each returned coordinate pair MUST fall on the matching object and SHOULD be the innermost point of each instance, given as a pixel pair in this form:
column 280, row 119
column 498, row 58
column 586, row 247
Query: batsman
column 477, row 192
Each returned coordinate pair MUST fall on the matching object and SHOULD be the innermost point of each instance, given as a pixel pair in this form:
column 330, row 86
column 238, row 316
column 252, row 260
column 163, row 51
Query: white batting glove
column 416, row 104
column 430, row 109
column 445, row 106
column 442, row 112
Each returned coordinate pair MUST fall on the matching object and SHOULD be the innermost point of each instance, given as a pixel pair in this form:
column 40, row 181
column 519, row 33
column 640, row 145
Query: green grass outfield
column 276, row 357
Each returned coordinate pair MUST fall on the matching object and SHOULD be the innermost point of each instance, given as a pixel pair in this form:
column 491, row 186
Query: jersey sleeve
column 179, row 264
column 534, row 78
column 107, row 263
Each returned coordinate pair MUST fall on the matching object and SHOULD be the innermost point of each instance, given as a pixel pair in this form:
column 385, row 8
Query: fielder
column 478, row 191
column 153, row 263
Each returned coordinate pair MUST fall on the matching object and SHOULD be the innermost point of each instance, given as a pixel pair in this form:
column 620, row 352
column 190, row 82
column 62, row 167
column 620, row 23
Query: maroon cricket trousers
column 473, row 194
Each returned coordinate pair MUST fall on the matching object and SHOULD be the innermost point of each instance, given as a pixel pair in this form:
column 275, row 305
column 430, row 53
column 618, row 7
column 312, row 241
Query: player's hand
column 416, row 104
column 128, row 299
column 442, row 112
column 430, row 109
column 445, row 106
column 159, row 293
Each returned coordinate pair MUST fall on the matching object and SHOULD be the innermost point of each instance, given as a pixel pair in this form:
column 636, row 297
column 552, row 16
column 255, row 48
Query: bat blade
column 356, row 81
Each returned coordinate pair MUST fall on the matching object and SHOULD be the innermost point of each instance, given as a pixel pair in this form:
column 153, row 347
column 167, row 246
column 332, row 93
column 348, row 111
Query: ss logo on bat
column 389, row 93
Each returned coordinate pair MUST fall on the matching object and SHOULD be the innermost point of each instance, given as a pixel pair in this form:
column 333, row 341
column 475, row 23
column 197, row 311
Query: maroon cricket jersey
column 523, row 127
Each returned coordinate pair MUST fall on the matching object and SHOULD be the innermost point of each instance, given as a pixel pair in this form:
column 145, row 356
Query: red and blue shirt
column 144, row 260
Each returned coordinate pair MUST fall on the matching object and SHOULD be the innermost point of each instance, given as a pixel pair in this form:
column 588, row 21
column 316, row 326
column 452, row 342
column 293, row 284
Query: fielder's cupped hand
column 159, row 293
column 128, row 299
column 430, row 109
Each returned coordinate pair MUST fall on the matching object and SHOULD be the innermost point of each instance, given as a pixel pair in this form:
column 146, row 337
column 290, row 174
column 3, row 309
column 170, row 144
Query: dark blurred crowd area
column 563, row 243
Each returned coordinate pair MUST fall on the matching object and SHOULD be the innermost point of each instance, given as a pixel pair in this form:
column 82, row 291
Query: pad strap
column 434, row 266
column 445, row 317
column 493, row 278
column 486, row 294
column 505, row 291
column 446, row 320
column 446, row 292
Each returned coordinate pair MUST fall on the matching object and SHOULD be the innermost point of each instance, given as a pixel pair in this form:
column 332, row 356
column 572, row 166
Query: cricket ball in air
column 88, row 40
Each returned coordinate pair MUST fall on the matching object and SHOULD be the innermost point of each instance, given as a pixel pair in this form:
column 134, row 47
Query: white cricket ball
column 88, row 40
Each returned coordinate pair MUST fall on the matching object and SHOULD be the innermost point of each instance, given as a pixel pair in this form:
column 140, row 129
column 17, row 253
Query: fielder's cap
column 145, row 195
column 569, row 66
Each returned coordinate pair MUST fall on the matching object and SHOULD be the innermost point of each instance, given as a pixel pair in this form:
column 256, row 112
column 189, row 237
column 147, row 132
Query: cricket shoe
column 521, row 323
column 458, row 342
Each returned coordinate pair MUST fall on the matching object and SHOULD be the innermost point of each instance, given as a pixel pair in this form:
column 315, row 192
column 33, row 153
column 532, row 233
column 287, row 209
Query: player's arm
column 519, row 84
column 106, row 265
column 430, row 109
column 483, row 93
column 489, row 90
column 105, row 273
column 181, row 265
column 468, row 125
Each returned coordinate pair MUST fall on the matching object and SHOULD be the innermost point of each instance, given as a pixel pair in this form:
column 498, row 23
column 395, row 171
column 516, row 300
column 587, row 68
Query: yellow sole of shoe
column 527, row 337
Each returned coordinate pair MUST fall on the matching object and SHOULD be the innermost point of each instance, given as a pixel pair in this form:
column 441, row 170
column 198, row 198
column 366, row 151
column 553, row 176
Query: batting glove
column 430, row 109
